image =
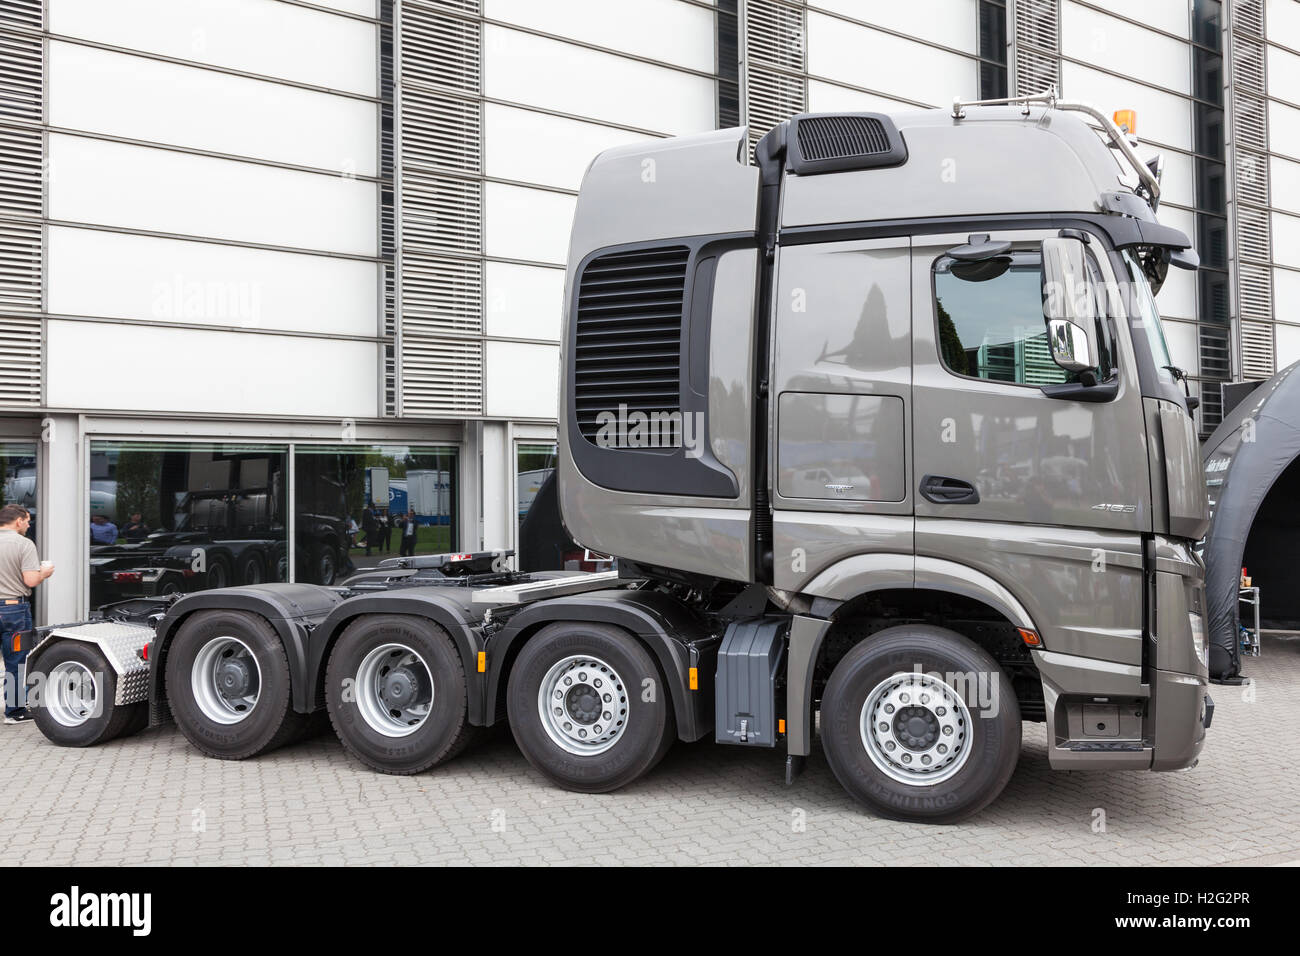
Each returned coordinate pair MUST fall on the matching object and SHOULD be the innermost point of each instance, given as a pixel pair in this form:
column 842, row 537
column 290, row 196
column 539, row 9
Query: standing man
column 408, row 536
column 20, row 571
column 386, row 530
column 368, row 527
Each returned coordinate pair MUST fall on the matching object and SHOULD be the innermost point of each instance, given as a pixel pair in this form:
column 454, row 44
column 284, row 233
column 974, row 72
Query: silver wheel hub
column 394, row 689
column 226, row 680
column 916, row 729
column 583, row 705
column 72, row 696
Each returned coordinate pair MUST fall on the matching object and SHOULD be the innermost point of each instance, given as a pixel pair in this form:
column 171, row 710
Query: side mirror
column 1070, row 346
column 1068, row 305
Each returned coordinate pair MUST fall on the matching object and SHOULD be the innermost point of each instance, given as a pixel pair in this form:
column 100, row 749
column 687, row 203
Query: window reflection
column 541, row 541
column 359, row 504
column 168, row 518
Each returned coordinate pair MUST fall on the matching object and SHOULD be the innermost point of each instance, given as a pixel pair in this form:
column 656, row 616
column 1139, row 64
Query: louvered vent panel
column 1216, row 362
column 1211, row 410
column 1256, row 349
column 387, row 211
column 443, row 296
column 440, row 48
column 1036, row 46
column 21, row 204
column 628, row 333
column 441, row 376
column 1248, row 16
column 834, row 137
column 1252, row 177
column 1252, row 233
column 1250, row 121
column 776, row 86
column 1256, row 292
column 441, row 130
column 1248, row 63
column 440, row 299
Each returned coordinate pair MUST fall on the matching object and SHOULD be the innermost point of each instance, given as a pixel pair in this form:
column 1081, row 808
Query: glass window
column 991, row 324
column 359, row 504
column 1148, row 318
column 18, row 461
column 541, row 543
column 167, row 518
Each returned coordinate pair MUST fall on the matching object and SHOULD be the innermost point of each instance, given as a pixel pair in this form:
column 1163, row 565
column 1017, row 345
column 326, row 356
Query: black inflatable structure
column 1253, row 475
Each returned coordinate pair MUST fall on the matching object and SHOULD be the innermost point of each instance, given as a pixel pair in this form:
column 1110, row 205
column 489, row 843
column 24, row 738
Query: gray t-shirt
column 17, row 554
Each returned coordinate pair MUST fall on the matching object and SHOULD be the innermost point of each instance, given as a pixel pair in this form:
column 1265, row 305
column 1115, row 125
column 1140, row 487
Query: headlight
column 1197, row 622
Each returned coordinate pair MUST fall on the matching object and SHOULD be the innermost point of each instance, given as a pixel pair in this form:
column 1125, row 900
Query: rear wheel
column 588, row 707
column 918, row 723
column 250, row 570
column 396, row 692
column 228, row 684
column 75, row 707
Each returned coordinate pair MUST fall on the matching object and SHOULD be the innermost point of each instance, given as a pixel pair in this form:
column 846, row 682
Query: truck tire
column 250, row 570
column 76, row 706
column 904, row 731
column 228, row 685
column 578, row 706
column 396, row 694
column 218, row 573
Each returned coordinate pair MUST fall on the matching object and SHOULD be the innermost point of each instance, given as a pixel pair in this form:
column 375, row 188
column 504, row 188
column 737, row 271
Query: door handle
column 942, row 490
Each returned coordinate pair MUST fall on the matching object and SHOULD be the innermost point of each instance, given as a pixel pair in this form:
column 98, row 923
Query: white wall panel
column 1286, row 243
column 523, row 380
column 538, row 148
column 853, row 54
column 1286, row 348
column 1125, row 48
column 1284, row 70
column 1161, row 117
column 666, row 30
column 367, row 8
column 1169, row 15
column 139, row 98
column 1177, row 298
column 828, row 98
column 257, row 36
column 1284, row 184
column 1283, row 21
column 1182, row 339
column 527, row 223
column 1284, row 129
column 114, row 275
column 953, row 23
column 570, row 79
column 524, row 302
column 193, row 370
column 1286, row 290
column 107, row 183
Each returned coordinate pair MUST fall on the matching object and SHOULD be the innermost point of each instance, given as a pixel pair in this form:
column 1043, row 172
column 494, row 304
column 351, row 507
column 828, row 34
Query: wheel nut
column 947, row 731
column 905, row 698
column 940, row 711
column 907, row 758
column 559, row 711
column 889, row 745
column 925, row 759
column 582, row 676
column 942, row 748
column 884, row 727
column 568, row 726
column 597, row 728
column 559, row 695
column 582, row 733
column 925, row 698
column 889, row 708
column 596, row 682
column 605, row 715
column 568, row 681
column 607, row 698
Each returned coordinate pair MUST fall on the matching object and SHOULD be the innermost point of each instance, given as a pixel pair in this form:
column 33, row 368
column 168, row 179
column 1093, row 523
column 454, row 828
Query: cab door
column 1022, row 472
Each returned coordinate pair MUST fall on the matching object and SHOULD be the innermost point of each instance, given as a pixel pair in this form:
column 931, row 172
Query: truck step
column 1105, row 746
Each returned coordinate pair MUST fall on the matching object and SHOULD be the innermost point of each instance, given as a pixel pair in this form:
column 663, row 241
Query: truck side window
column 990, row 321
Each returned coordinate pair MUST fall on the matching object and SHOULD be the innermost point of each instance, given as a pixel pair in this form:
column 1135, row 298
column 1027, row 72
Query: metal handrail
column 1048, row 99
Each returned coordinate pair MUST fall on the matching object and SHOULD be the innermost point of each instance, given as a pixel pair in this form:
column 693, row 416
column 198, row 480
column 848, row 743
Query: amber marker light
column 1127, row 120
column 1030, row 638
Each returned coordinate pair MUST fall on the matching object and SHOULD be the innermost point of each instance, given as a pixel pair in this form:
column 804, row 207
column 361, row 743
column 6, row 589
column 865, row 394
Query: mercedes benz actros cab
column 877, row 419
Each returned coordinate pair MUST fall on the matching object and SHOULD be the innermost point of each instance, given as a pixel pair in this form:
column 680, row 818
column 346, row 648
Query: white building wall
column 1282, row 65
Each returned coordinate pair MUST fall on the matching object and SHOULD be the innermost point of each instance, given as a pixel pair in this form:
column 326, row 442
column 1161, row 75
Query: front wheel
column 918, row 723
column 74, row 707
column 228, row 685
column 396, row 694
column 588, row 708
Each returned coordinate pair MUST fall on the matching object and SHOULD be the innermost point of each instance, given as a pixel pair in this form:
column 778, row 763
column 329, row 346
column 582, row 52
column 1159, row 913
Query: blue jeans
column 13, row 618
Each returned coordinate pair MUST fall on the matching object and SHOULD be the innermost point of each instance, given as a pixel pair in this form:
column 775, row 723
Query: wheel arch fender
column 451, row 612
column 290, row 609
column 663, row 625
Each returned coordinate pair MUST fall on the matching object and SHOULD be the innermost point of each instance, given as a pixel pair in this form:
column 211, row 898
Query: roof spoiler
column 1150, row 188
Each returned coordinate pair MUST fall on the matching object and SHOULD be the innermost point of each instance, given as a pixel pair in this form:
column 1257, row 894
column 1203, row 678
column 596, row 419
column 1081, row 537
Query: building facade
column 265, row 264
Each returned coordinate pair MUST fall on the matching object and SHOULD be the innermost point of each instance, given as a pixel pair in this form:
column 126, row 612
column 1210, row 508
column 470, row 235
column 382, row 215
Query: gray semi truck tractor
column 881, row 428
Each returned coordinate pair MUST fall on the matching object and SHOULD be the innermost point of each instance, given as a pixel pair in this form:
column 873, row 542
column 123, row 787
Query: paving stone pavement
column 151, row 799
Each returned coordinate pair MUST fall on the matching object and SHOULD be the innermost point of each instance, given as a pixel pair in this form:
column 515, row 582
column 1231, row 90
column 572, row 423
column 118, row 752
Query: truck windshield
column 1148, row 318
